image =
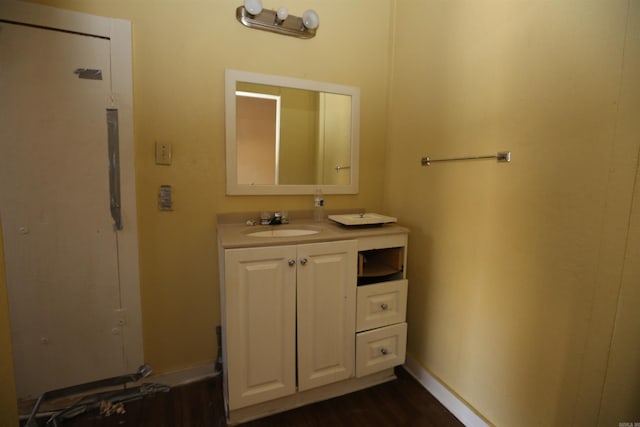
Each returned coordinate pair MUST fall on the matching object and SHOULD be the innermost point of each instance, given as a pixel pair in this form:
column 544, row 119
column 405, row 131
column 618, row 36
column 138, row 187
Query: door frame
column 118, row 31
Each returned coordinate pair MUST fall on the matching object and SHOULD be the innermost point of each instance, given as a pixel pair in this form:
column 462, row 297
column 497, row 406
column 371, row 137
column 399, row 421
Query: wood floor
column 403, row 402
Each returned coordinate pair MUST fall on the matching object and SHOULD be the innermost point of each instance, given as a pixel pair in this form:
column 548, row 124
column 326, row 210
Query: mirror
column 290, row 136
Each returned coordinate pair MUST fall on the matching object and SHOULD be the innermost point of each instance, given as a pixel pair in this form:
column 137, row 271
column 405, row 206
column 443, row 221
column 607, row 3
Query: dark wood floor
column 403, row 402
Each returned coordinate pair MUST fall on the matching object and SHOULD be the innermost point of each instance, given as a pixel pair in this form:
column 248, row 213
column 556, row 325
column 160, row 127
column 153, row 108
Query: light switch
column 163, row 153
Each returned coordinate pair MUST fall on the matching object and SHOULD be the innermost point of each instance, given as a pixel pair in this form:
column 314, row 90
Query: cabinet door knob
column 292, row 262
column 384, row 351
column 384, row 306
column 303, row 261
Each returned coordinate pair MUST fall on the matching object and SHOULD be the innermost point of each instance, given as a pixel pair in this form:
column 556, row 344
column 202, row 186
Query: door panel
column 326, row 312
column 60, row 244
column 260, row 296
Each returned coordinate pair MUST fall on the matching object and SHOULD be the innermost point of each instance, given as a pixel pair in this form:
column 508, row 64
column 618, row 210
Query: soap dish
column 362, row 219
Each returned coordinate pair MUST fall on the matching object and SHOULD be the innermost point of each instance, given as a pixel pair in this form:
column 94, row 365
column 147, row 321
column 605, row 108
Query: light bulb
column 310, row 19
column 282, row 13
column 254, row 7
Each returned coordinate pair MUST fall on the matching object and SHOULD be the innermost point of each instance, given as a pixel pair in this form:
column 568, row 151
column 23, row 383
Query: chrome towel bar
column 501, row 156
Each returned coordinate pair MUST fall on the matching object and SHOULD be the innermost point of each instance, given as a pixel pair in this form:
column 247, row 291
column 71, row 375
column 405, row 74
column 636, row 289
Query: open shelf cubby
column 380, row 265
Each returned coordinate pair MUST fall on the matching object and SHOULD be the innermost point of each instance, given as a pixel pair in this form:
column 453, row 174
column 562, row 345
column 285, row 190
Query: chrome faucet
column 273, row 219
column 276, row 218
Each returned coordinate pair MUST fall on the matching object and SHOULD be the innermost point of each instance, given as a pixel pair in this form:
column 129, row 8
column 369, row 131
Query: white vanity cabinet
column 309, row 318
column 283, row 302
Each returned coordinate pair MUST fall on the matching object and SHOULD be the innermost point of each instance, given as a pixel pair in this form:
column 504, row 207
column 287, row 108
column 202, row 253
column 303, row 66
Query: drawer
column 380, row 349
column 381, row 304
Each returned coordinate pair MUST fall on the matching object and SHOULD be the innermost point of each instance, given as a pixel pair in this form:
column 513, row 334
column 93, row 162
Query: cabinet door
column 327, row 275
column 260, row 307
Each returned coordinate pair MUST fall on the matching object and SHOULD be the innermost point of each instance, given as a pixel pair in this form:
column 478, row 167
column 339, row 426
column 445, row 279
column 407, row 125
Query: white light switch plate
column 163, row 153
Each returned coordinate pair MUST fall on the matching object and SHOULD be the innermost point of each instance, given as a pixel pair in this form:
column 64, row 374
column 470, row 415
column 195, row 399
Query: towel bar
column 501, row 156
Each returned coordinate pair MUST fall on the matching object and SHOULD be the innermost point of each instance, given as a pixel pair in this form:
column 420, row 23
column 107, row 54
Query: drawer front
column 380, row 349
column 381, row 304
column 382, row 242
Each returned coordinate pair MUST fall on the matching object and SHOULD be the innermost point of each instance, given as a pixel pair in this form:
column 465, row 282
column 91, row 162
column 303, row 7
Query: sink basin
column 362, row 219
column 283, row 232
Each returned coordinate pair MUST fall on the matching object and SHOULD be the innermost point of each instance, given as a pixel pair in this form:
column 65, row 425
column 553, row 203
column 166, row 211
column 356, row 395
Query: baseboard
column 184, row 376
column 457, row 407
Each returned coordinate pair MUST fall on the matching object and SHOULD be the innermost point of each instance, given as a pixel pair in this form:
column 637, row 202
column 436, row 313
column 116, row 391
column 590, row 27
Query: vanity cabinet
column 288, row 303
column 310, row 318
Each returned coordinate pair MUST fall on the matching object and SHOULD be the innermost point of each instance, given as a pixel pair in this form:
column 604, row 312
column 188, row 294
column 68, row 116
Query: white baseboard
column 457, row 407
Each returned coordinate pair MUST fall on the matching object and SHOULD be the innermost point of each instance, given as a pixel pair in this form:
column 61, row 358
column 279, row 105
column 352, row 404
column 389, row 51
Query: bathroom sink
column 362, row 219
column 284, row 232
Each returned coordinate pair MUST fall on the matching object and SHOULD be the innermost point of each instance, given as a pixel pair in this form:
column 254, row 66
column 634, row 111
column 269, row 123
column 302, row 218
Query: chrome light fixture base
column 267, row 20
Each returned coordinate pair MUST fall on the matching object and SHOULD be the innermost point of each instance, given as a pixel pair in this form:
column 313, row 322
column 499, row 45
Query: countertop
column 234, row 234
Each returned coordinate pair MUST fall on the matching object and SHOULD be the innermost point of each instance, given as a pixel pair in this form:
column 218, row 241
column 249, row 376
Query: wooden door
column 61, row 248
column 327, row 275
column 259, row 324
column 257, row 138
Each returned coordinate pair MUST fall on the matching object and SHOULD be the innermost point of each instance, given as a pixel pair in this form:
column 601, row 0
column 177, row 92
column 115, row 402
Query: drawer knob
column 303, row 261
column 384, row 306
column 384, row 351
column 292, row 262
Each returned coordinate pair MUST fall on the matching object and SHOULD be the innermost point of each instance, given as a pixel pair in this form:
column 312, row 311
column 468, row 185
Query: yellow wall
column 8, row 406
column 515, row 270
column 621, row 394
column 181, row 50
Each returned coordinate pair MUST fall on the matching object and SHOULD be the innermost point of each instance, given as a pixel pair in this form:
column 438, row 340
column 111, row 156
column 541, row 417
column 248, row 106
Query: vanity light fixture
column 252, row 15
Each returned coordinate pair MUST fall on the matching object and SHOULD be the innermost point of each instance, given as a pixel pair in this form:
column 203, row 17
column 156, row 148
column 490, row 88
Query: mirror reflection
column 290, row 136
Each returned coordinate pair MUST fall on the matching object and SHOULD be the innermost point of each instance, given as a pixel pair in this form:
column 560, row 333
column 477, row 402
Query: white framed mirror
column 290, row 136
